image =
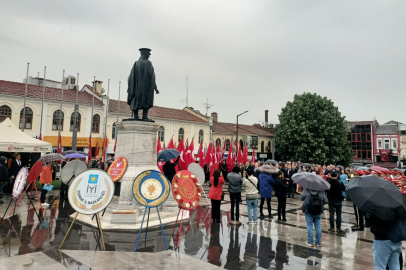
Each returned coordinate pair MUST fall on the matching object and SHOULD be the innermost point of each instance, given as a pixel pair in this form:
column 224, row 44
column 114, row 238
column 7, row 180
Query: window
column 96, row 124
column 379, row 143
column 353, row 137
column 5, row 112
column 72, row 121
column 358, row 137
column 72, row 80
column 387, row 144
column 368, row 137
column 201, row 134
column 114, row 131
column 218, row 143
column 369, row 155
column 161, row 134
column 57, row 120
column 181, row 134
column 241, row 145
column 227, row 145
column 269, row 147
column 262, row 147
column 27, row 122
column 394, row 143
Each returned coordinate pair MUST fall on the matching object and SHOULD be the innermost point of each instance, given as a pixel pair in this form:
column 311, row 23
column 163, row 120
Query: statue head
column 145, row 53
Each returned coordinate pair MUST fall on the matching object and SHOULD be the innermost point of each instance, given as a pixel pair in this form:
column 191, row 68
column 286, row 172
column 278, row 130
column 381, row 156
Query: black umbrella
column 307, row 165
column 311, row 181
column 271, row 161
column 363, row 168
column 167, row 154
column 377, row 197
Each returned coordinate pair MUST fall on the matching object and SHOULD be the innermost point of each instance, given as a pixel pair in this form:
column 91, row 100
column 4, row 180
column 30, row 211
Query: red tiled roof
column 91, row 89
column 35, row 91
column 231, row 128
column 156, row 112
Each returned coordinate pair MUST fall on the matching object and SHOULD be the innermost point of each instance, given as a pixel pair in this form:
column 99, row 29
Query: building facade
column 360, row 135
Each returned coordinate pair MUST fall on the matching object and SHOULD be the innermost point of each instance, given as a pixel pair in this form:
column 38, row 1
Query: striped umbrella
column 51, row 157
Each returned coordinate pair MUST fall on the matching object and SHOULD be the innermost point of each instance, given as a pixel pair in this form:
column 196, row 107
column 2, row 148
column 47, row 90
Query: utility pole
column 207, row 106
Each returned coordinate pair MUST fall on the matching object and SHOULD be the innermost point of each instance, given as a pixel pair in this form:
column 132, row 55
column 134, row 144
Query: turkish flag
column 190, row 154
column 230, row 159
column 60, row 146
column 159, row 149
column 90, row 149
column 207, row 159
column 223, row 151
column 171, row 145
column 105, row 145
column 201, row 155
column 239, row 155
column 97, row 149
column 384, row 154
column 245, row 155
column 181, row 150
column 253, row 156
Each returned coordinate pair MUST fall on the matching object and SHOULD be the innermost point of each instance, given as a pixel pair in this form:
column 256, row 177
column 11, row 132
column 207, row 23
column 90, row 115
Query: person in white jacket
column 250, row 183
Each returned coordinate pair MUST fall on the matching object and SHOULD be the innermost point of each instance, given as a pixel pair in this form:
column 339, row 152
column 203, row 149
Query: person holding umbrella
column 169, row 169
column 386, row 206
column 45, row 179
column 313, row 197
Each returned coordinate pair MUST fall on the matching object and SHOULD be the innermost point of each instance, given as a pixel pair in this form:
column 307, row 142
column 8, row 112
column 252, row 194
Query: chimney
column 98, row 87
column 266, row 118
column 214, row 116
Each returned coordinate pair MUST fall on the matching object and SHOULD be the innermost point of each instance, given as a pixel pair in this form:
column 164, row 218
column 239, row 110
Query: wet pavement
column 266, row 245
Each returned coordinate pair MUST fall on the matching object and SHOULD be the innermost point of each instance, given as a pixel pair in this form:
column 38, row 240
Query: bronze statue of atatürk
column 141, row 86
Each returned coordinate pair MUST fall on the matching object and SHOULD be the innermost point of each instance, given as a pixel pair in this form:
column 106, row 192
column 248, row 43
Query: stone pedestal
column 137, row 141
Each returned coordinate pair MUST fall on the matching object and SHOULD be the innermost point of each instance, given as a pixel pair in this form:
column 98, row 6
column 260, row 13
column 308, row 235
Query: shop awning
column 13, row 139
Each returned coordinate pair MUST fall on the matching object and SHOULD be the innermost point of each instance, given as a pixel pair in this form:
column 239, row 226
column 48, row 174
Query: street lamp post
column 238, row 143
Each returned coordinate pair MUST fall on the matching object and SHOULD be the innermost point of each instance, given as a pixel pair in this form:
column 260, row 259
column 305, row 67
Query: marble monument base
column 137, row 142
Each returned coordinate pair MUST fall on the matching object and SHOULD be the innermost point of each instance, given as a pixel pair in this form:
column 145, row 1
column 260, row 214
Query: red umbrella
column 374, row 168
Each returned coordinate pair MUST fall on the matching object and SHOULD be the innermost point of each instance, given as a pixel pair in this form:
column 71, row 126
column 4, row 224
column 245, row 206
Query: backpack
column 315, row 206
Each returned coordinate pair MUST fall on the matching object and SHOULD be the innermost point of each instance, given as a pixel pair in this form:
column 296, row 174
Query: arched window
column 201, row 134
column 57, row 120
column 96, row 124
column 218, row 143
column 269, row 147
column 27, row 122
column 161, row 133
column 262, row 147
column 227, row 145
column 181, row 134
column 5, row 112
column 72, row 121
column 114, row 132
column 241, row 145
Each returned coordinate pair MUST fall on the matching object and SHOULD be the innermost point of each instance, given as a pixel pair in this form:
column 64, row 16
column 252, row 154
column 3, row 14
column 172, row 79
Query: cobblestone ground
column 266, row 245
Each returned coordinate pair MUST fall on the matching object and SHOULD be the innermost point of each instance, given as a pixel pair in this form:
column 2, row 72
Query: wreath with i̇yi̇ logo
column 186, row 189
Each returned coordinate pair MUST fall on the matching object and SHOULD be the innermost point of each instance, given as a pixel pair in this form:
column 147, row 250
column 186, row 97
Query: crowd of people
column 261, row 181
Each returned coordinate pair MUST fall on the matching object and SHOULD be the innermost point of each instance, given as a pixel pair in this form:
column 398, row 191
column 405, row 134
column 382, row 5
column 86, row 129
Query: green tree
column 311, row 129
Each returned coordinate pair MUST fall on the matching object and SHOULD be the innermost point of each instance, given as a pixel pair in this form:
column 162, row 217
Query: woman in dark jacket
column 3, row 174
column 281, row 189
column 266, row 182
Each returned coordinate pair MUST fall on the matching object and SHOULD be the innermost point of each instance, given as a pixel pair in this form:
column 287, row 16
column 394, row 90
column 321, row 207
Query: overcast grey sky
column 242, row 55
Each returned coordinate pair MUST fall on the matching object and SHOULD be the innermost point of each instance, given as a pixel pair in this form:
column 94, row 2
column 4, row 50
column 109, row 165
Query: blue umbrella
column 167, row 154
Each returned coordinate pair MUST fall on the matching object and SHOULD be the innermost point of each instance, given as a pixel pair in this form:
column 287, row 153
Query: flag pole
column 75, row 119
column 42, row 105
column 25, row 95
column 94, row 90
column 60, row 110
column 107, row 108
column 119, row 90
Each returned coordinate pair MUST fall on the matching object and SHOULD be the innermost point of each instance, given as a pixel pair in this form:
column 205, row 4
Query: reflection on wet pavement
column 265, row 245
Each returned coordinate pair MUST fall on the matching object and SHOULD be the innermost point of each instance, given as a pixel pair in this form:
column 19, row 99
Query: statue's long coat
column 141, row 85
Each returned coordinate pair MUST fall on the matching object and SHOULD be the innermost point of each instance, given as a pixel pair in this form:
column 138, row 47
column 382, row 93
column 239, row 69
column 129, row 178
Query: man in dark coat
column 288, row 176
column 15, row 167
column 141, row 86
column 335, row 198
column 169, row 169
